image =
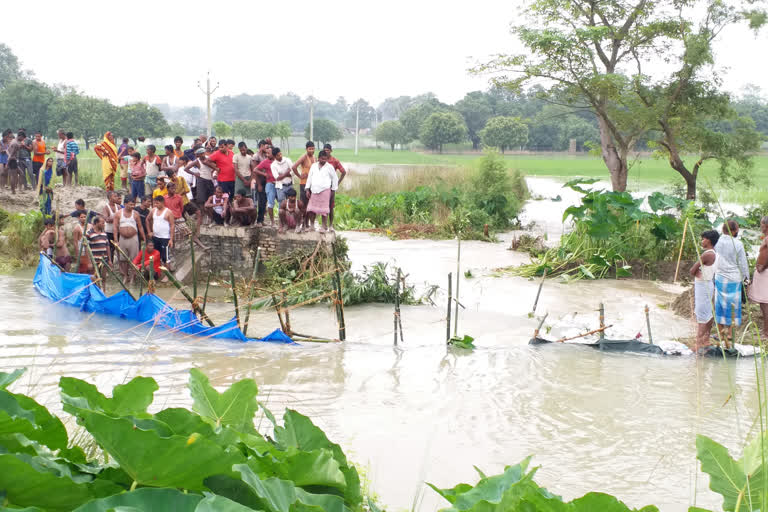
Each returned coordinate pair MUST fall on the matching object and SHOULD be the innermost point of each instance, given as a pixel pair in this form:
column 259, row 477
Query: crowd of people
column 22, row 159
column 166, row 199
column 722, row 283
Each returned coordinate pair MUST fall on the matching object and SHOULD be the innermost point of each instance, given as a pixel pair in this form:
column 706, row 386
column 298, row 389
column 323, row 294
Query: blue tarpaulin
column 76, row 290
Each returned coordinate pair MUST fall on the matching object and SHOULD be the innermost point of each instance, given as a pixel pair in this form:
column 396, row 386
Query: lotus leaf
column 132, row 398
column 235, row 407
column 152, row 460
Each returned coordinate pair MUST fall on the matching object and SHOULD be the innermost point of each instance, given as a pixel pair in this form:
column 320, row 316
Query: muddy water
column 623, row 424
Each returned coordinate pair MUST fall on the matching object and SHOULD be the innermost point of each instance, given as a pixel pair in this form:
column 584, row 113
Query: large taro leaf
column 604, row 503
column 272, row 494
column 235, row 407
column 305, row 469
column 299, row 432
column 152, row 460
column 6, row 379
column 31, row 481
column 20, row 414
column 146, row 500
column 215, row 503
column 131, row 399
column 727, row 476
column 183, row 422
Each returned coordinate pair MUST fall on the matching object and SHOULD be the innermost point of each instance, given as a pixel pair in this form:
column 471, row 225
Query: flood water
column 618, row 423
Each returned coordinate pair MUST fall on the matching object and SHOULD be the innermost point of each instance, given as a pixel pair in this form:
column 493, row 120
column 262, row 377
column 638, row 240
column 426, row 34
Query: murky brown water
column 618, row 423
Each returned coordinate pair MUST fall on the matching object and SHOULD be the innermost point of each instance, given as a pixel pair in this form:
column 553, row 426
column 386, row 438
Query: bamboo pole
column 184, row 292
column 602, row 321
column 601, row 329
column 648, row 323
column 340, row 298
column 52, row 261
column 117, row 278
column 397, row 304
column 234, row 297
column 205, row 297
column 448, row 316
column 277, row 309
column 682, row 244
column 541, row 322
column 399, row 316
column 151, row 283
column 458, row 280
column 288, row 330
column 538, row 293
column 138, row 271
column 250, row 289
column 194, row 267
column 142, row 251
column 56, row 223
column 83, row 241
column 93, row 262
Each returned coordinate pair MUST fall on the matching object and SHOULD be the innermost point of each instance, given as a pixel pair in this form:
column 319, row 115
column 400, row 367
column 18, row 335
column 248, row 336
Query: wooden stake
column 194, row 267
column 340, row 298
column 138, row 271
column 561, row 340
column 254, row 271
column 602, row 321
column 541, row 322
column 458, row 280
column 682, row 244
column 399, row 316
column 184, row 292
column 648, row 323
column 538, row 293
column 93, row 262
column 234, row 297
column 205, row 297
column 151, row 283
column 397, row 304
column 277, row 309
column 287, row 318
column 448, row 315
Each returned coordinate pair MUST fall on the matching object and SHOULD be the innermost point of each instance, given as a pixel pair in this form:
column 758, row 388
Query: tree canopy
column 324, row 130
column 504, row 132
column 393, row 133
column 442, row 128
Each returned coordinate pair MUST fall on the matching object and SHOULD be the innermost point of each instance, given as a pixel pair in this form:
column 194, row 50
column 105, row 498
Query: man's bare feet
column 201, row 244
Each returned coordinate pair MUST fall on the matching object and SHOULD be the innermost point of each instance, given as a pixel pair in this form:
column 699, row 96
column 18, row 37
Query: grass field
column 645, row 172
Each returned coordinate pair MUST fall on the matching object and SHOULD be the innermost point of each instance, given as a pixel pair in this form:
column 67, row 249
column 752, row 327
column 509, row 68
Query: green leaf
column 602, row 502
column 625, row 271
column 6, row 379
column 220, row 504
column 697, row 509
column 20, row 414
column 152, row 460
column 183, row 422
column 29, row 481
column 127, row 399
column 299, row 432
column 235, row 407
column 315, row 468
column 146, row 500
column 727, row 477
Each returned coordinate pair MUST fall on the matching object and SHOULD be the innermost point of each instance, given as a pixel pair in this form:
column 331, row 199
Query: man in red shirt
column 342, row 172
column 150, row 252
column 223, row 160
column 264, row 170
column 174, row 201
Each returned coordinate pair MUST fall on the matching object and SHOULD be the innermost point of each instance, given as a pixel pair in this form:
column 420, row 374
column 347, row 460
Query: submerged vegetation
column 215, row 457
column 20, row 232
column 435, row 199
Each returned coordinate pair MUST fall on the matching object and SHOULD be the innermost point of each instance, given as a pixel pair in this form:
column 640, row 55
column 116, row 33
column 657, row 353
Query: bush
column 496, row 192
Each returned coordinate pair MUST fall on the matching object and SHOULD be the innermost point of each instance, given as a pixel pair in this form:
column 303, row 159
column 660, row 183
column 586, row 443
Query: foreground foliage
column 209, row 458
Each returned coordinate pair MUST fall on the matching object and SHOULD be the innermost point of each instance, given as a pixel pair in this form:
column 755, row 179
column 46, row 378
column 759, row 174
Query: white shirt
column 279, row 168
column 322, row 178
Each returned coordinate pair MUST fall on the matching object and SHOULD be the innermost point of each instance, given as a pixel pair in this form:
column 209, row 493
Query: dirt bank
column 26, row 200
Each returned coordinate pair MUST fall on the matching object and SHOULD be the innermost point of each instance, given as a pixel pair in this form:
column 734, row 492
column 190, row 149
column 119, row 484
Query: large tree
column 85, row 116
column 140, row 120
column 476, row 109
column 25, row 104
column 414, row 117
column 393, row 133
column 505, row 132
column 10, row 68
column 324, row 130
column 368, row 115
column 221, row 129
column 442, row 128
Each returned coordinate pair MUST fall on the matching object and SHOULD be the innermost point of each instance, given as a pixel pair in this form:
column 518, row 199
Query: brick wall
column 236, row 247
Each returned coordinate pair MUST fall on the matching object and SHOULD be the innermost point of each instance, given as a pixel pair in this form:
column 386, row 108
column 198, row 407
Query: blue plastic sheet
column 76, row 290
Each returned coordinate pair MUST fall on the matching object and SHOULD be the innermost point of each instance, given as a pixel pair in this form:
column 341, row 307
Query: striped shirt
column 72, row 149
column 99, row 243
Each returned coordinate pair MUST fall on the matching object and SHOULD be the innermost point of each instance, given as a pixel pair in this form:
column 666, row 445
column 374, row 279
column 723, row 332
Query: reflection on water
column 623, row 424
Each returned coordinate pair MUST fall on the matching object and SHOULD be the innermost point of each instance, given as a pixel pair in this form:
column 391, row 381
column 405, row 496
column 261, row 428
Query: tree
column 324, row 131
column 392, row 132
column 442, row 128
column 476, row 110
column 176, row 128
column 84, row 116
column 367, row 115
column 504, row 132
column 414, row 117
column 221, row 129
column 140, row 120
column 25, row 104
column 283, row 131
column 10, row 69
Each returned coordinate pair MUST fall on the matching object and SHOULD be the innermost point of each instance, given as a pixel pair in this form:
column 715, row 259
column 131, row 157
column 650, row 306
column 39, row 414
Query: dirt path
column 26, row 200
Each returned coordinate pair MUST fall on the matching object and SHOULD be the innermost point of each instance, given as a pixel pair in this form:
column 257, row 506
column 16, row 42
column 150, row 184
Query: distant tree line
column 30, row 104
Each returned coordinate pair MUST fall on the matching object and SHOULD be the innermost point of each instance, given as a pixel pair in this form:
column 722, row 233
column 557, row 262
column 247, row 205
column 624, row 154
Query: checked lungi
column 727, row 299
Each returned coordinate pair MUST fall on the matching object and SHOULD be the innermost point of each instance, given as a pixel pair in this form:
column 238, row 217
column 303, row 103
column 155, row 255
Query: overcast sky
column 156, row 51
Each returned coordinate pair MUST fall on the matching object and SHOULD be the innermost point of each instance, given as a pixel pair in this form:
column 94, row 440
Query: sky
column 158, row 51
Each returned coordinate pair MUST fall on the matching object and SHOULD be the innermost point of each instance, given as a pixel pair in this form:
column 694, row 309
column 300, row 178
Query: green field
column 646, row 172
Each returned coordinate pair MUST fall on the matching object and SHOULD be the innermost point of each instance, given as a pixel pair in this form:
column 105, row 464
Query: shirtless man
column 758, row 290
column 243, row 211
column 78, row 233
column 62, row 256
column 128, row 229
column 109, row 212
column 290, row 212
column 217, row 207
column 47, row 237
column 305, row 161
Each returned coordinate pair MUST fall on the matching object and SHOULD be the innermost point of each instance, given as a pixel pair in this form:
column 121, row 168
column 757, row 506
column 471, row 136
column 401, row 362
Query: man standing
column 321, row 181
column 281, row 169
column 13, row 161
column 25, row 161
column 264, row 169
column 123, row 159
column 128, row 232
column 161, row 226
column 39, row 152
column 342, row 172
column 202, row 168
column 259, row 182
column 226, row 175
column 304, row 162
column 242, row 162
column 61, row 151
column 109, row 214
column 99, row 243
column 71, row 157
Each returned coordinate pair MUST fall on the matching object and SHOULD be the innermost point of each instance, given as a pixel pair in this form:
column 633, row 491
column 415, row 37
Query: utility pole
column 312, row 118
column 357, row 126
column 208, row 93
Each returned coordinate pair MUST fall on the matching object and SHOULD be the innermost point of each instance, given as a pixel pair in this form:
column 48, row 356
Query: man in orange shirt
column 38, row 155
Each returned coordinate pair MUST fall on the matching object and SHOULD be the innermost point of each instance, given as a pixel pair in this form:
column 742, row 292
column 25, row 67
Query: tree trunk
column 690, row 177
column 475, row 143
column 393, row 146
column 615, row 158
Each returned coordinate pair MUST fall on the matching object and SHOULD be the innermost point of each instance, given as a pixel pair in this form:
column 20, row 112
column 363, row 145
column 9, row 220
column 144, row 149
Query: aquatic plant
column 466, row 342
